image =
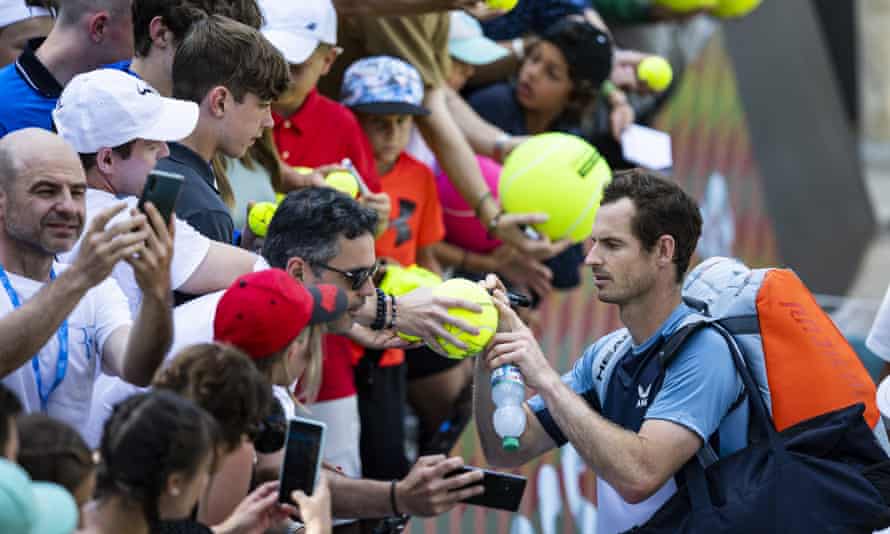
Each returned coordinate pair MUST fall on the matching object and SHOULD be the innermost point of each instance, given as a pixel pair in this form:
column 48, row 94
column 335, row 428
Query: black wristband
column 380, row 318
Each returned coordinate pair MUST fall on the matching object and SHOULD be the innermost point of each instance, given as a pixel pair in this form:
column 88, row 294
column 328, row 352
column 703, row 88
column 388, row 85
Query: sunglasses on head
column 356, row 277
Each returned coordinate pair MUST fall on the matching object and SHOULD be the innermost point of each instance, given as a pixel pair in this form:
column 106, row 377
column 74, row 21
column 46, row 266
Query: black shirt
column 199, row 203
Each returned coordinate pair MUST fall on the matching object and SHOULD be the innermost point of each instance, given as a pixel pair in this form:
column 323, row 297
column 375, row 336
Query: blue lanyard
column 62, row 334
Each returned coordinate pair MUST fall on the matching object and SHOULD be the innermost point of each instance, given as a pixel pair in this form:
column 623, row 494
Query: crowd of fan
column 144, row 364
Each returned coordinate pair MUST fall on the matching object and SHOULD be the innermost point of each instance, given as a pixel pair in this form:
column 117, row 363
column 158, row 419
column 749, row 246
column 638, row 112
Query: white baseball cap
column 13, row 11
column 106, row 108
column 296, row 27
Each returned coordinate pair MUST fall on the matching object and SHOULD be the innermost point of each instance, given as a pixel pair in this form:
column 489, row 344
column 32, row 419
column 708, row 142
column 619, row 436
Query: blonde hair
column 310, row 381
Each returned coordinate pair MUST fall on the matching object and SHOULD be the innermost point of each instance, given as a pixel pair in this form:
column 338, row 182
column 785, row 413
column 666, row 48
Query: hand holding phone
column 303, row 449
column 162, row 189
column 502, row 490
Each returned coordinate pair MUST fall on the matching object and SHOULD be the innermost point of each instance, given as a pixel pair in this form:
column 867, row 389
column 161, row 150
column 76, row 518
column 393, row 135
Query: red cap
column 262, row 312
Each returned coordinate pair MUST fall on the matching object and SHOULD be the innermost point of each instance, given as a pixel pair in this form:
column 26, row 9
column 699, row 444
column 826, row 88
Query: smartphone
column 502, row 490
column 162, row 190
column 301, row 466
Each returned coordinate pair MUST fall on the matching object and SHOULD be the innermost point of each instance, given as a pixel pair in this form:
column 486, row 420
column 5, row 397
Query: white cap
column 106, row 108
column 467, row 43
column 296, row 27
column 12, row 11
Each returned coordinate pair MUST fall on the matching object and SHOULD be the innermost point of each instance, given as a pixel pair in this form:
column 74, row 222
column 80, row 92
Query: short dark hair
column 52, row 451
column 220, row 51
column 309, row 222
column 225, row 382
column 148, row 437
column 10, row 406
column 179, row 15
column 662, row 207
column 88, row 161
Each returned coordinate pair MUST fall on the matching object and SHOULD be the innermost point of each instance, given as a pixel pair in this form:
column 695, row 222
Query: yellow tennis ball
column 343, row 181
column 656, row 72
column 400, row 280
column 408, row 337
column 558, row 174
column 505, row 5
column 682, row 6
column 260, row 216
column 727, row 9
column 486, row 321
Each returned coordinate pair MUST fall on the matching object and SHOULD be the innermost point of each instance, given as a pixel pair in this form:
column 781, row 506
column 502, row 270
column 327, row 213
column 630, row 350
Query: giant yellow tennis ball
column 486, row 321
column 682, row 6
column 260, row 216
column 343, row 181
column 505, row 5
column 558, row 174
column 656, row 72
column 400, row 280
column 727, row 9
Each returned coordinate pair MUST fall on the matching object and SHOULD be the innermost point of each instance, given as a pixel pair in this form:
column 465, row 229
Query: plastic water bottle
column 507, row 393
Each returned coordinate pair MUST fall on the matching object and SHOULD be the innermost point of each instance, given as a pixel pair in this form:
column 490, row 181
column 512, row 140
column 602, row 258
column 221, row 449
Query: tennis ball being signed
column 260, row 216
column 656, row 72
column 486, row 321
column 343, row 181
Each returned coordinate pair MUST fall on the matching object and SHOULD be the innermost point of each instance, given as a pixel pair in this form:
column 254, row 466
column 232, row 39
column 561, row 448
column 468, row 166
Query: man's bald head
column 23, row 150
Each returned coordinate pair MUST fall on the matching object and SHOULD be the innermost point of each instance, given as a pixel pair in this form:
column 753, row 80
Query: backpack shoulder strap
column 671, row 346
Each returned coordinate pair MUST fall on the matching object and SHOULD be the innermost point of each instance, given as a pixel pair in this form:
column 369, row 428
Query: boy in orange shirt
column 386, row 93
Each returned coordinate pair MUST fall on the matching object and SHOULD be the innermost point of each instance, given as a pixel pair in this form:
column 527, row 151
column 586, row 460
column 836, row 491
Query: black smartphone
column 162, row 190
column 502, row 490
column 303, row 447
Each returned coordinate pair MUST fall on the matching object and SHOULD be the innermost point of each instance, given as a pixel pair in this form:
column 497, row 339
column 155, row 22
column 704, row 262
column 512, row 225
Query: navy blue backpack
column 825, row 474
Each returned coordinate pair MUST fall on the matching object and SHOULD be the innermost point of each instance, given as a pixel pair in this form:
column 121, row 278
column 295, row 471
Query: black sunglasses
column 357, row 277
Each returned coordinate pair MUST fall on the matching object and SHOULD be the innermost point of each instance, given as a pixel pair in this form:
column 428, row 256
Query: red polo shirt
column 323, row 132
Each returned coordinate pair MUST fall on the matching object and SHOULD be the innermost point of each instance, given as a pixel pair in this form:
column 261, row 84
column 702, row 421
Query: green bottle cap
column 510, row 444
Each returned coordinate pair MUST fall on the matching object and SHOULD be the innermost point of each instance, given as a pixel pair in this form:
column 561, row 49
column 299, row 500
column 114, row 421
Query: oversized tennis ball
column 505, row 5
column 558, row 174
column 727, row 9
column 656, row 72
column 486, row 321
column 343, row 181
column 400, row 280
column 682, row 6
column 260, row 216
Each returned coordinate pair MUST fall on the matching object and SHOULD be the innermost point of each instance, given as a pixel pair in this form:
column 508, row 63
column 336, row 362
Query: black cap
column 587, row 49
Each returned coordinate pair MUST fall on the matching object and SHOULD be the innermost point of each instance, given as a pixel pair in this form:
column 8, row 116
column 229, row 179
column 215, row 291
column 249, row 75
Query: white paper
column 647, row 147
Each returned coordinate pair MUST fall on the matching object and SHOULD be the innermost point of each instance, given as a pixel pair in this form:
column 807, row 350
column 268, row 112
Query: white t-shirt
column 189, row 247
column 878, row 340
column 192, row 323
column 101, row 311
